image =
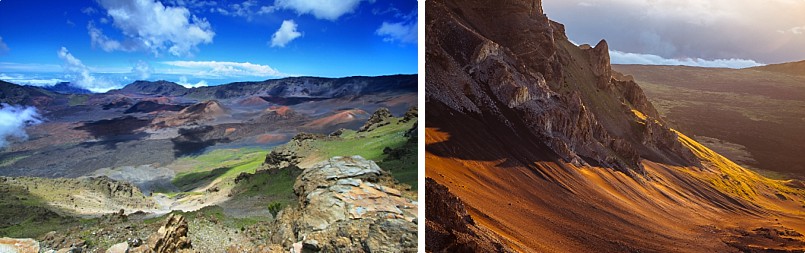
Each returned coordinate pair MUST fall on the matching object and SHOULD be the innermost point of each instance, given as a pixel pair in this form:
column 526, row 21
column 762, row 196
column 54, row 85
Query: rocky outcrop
column 379, row 118
column 171, row 237
column 633, row 94
column 280, row 159
column 347, row 203
column 411, row 114
column 508, row 63
column 599, row 62
column 449, row 228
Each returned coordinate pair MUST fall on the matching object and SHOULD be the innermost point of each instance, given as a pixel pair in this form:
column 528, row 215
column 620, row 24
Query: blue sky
column 105, row 44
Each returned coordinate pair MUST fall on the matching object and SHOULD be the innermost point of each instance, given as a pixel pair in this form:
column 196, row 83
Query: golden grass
column 729, row 177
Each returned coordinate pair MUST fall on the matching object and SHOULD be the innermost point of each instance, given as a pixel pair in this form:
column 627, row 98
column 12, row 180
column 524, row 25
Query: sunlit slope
column 554, row 206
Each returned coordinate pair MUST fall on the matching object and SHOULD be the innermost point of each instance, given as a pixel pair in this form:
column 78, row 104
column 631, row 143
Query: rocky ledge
column 347, row 204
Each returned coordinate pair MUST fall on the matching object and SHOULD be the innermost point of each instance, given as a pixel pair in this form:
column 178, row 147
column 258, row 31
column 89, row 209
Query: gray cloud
column 770, row 31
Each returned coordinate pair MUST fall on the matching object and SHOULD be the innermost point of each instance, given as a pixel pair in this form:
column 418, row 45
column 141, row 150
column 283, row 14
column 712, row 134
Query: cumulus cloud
column 150, row 25
column 3, row 46
column 222, row 69
column 142, row 70
column 285, row 34
column 80, row 75
column 106, row 44
column 619, row 57
column 674, row 29
column 183, row 82
column 13, row 120
column 404, row 32
column 321, row 9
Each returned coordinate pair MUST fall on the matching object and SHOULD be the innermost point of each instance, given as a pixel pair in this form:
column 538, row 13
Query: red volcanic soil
column 341, row 117
column 207, row 110
column 253, row 101
column 269, row 138
column 280, row 110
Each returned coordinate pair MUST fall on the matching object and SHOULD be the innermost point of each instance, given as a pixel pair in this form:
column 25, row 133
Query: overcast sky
column 714, row 33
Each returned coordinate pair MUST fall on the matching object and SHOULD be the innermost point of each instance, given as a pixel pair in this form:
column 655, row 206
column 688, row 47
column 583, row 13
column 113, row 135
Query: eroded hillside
column 548, row 150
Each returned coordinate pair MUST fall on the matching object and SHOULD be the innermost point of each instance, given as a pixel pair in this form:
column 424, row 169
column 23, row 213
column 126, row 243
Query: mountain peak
column 161, row 87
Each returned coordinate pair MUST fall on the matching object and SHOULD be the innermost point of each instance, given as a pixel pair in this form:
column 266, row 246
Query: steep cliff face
column 541, row 147
column 518, row 67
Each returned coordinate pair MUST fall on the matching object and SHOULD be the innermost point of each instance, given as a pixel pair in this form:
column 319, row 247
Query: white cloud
column 89, row 11
column 221, row 69
column 3, row 46
column 619, row 57
column 795, row 30
column 142, row 69
column 80, row 75
column 285, row 34
column 183, row 82
column 321, row 9
column 13, row 120
column 156, row 27
column 100, row 40
column 404, row 32
column 29, row 80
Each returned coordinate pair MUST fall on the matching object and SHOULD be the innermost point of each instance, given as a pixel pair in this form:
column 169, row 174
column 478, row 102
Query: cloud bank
column 285, row 34
column 13, row 120
column 149, row 25
column 763, row 31
column 221, row 69
column 618, row 57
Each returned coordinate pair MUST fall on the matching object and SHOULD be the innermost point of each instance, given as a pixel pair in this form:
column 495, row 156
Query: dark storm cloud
column 721, row 31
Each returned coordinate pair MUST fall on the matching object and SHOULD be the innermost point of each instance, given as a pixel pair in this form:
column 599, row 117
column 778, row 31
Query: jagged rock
column 599, row 64
column 633, row 94
column 171, row 237
column 300, row 137
column 280, row 159
column 528, row 76
column 12, row 245
column 347, row 203
column 379, row 118
column 411, row 114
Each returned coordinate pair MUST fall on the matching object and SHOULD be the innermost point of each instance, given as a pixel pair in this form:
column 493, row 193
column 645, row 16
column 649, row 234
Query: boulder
column 12, row 245
column 347, row 203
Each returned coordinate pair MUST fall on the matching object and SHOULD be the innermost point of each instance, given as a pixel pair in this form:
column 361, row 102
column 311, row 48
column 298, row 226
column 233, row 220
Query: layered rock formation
column 546, row 149
column 527, row 75
column 347, row 204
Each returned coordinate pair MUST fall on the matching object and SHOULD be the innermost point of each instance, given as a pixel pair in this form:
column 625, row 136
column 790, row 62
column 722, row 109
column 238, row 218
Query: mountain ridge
column 551, row 151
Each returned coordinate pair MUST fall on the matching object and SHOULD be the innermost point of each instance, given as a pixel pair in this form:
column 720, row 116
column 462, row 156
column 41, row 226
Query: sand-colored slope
column 548, row 206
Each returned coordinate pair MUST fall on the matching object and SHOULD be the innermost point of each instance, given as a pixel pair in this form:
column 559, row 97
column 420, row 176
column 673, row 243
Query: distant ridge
column 790, row 68
column 67, row 88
